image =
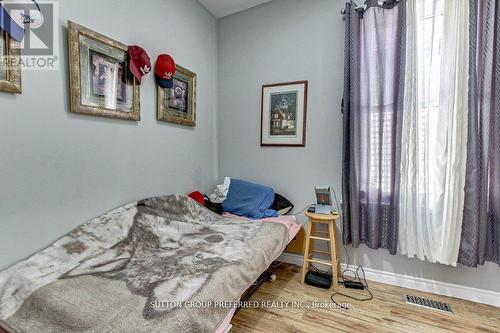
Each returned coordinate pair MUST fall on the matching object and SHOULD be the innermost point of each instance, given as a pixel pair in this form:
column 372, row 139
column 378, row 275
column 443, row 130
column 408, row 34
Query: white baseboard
column 437, row 287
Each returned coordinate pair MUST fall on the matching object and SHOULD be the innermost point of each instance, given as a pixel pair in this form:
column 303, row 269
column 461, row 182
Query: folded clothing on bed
column 249, row 199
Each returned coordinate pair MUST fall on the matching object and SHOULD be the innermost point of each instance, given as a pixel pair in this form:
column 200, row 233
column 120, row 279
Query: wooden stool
column 312, row 234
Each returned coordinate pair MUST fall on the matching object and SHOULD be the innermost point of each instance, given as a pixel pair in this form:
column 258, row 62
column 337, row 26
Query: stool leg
column 337, row 251
column 312, row 232
column 333, row 254
column 305, row 266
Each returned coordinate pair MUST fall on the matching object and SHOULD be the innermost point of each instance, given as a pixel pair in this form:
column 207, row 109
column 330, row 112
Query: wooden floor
column 387, row 312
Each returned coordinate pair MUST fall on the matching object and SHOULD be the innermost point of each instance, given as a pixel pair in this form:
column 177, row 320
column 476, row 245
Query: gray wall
column 58, row 170
column 287, row 40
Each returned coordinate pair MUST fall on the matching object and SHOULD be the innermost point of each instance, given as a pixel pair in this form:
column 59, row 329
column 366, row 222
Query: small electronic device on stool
column 323, row 200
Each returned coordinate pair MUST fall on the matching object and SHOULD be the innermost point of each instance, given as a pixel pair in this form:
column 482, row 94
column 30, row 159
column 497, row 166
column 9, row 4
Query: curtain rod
column 364, row 6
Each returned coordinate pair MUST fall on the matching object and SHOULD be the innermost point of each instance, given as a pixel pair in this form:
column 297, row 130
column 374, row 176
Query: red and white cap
column 140, row 64
column 165, row 71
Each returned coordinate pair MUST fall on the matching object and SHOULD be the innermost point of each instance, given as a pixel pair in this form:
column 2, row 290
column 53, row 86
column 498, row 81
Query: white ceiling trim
column 221, row 8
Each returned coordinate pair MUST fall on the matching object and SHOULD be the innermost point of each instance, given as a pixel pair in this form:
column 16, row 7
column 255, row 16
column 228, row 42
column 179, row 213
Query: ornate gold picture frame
column 178, row 104
column 10, row 64
column 100, row 81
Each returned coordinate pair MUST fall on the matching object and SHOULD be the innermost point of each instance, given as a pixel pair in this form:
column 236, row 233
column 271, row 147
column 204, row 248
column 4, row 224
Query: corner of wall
column 218, row 106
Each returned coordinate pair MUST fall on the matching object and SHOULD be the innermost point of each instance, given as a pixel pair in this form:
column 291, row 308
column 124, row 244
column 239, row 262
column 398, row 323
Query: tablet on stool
column 323, row 200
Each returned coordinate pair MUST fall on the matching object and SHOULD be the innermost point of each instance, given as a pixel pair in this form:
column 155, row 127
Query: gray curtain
column 481, row 225
column 372, row 119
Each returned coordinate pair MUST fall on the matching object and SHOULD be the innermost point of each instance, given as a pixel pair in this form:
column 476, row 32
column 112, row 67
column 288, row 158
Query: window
column 380, row 151
column 429, row 41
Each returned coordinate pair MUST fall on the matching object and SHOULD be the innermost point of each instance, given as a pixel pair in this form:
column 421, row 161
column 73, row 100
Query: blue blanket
column 249, row 199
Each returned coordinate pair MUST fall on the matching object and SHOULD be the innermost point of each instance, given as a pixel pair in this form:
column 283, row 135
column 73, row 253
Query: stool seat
column 322, row 217
column 312, row 235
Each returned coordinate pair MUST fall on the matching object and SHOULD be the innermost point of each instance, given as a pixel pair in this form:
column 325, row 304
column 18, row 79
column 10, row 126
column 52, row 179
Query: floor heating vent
column 428, row 303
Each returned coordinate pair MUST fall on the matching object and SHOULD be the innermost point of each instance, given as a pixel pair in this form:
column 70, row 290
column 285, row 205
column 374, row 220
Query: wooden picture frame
column 178, row 104
column 100, row 82
column 283, row 114
column 10, row 57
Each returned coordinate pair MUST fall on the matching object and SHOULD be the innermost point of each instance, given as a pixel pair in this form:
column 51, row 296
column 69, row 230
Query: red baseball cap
column 165, row 71
column 198, row 196
column 140, row 64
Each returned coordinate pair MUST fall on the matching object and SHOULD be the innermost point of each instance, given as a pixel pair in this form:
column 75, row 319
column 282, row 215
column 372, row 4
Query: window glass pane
column 380, row 150
column 429, row 34
column 429, row 41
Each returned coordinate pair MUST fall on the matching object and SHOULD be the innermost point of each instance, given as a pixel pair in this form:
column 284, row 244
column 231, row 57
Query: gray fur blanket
column 157, row 265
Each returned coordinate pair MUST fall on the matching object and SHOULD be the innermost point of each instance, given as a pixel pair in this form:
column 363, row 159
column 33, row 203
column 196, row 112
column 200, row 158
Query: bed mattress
column 116, row 272
column 293, row 228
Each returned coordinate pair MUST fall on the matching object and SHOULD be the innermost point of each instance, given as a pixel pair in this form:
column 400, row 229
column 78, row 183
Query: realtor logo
column 40, row 43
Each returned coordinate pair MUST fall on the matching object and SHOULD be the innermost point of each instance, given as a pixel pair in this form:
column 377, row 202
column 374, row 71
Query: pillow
column 281, row 204
column 249, row 199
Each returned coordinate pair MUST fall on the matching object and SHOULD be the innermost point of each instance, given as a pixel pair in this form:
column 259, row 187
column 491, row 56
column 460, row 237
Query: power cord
column 317, row 270
column 344, row 273
column 356, row 278
column 355, row 273
column 302, row 210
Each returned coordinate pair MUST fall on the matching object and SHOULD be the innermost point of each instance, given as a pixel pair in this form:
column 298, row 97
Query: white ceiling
column 221, row 8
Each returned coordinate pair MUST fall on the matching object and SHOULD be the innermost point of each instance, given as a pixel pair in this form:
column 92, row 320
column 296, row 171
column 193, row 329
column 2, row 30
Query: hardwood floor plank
column 387, row 312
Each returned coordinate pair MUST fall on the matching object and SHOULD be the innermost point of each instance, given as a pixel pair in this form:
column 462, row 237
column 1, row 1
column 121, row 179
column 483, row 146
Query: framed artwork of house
column 283, row 114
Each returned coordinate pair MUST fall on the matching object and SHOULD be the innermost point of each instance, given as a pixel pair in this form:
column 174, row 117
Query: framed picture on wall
column 10, row 64
column 283, row 114
column 101, row 83
column 178, row 104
